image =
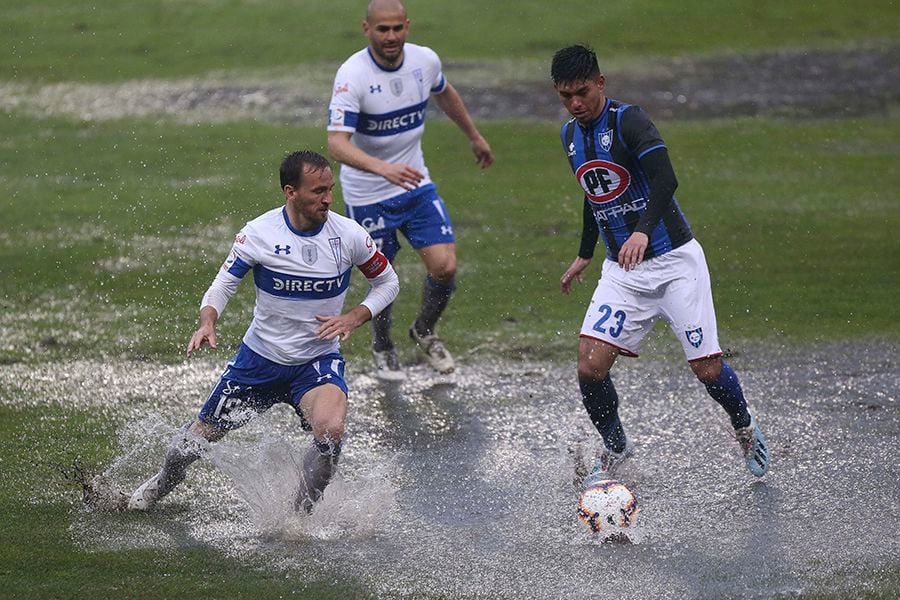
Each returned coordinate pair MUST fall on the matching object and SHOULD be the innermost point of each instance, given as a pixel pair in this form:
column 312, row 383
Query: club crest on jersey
column 694, row 336
column 335, row 244
column 396, row 86
column 310, row 254
column 606, row 140
column 602, row 181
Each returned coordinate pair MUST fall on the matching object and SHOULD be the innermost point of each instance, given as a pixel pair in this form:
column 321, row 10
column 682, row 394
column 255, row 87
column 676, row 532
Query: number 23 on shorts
column 614, row 328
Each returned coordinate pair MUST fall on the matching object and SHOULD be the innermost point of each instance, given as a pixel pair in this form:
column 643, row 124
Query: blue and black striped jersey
column 605, row 157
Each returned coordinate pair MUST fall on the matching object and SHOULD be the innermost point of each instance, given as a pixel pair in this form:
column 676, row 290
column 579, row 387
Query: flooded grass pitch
column 462, row 486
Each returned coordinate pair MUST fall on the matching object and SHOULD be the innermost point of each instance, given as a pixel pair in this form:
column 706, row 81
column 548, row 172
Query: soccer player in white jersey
column 376, row 119
column 301, row 256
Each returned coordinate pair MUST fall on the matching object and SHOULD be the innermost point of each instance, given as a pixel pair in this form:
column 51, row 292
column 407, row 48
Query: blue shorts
column 419, row 214
column 252, row 384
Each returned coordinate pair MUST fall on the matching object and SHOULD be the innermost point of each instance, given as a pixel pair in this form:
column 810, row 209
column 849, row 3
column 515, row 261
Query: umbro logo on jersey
column 375, row 89
column 279, row 249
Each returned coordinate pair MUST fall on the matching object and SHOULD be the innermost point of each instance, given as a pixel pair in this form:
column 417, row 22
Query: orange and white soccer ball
column 607, row 506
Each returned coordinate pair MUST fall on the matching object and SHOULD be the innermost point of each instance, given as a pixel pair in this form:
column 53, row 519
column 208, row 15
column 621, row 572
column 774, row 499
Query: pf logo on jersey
column 602, row 180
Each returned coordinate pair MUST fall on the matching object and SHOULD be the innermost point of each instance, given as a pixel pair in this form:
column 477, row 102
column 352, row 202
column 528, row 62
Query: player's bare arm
column 206, row 332
column 631, row 254
column 574, row 272
column 342, row 150
column 453, row 106
column 341, row 326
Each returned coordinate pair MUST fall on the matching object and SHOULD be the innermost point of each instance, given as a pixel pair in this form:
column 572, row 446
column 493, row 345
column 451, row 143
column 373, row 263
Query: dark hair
column 573, row 63
column 292, row 166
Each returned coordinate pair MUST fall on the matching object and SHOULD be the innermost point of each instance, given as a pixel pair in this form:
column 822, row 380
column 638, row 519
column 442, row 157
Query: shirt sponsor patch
column 603, row 181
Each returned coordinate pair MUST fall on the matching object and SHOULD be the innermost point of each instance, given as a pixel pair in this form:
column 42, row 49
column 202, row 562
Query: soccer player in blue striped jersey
column 376, row 119
column 300, row 256
column 654, row 267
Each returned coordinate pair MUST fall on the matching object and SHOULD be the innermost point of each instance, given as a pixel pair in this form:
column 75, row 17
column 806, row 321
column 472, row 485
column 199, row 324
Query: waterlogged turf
column 462, row 486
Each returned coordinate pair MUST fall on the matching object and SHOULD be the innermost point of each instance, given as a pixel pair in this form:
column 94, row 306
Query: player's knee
column 707, row 370
column 444, row 272
column 589, row 369
column 331, row 428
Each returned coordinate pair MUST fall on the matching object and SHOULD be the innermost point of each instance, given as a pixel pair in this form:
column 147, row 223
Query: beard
column 388, row 55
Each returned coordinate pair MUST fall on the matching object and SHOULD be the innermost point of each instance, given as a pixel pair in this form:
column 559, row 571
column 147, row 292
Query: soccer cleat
column 754, row 448
column 145, row 497
column 435, row 352
column 607, row 464
column 387, row 365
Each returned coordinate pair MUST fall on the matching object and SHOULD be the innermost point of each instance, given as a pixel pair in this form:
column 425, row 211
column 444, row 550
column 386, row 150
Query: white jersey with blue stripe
column 298, row 275
column 385, row 112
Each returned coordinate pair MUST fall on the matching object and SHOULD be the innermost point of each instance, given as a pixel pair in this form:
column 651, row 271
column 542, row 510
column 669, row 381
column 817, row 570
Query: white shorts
column 674, row 286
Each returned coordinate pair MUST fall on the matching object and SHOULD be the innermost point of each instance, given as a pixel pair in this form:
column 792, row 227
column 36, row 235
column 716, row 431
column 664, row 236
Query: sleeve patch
column 235, row 266
column 375, row 266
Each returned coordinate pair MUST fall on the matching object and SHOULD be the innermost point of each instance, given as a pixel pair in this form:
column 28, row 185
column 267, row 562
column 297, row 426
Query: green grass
column 113, row 231
column 55, row 40
column 38, row 558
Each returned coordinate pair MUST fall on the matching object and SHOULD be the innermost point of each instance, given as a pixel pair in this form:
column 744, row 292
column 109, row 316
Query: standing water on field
column 462, row 485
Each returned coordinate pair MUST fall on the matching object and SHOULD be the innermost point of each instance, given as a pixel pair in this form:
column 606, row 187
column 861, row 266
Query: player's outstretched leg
column 387, row 365
column 435, row 297
column 186, row 447
column 602, row 404
column 319, row 464
column 723, row 385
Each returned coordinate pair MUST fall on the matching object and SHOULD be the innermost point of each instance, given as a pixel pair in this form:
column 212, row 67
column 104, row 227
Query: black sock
column 726, row 390
column 183, row 451
column 602, row 403
column 381, row 329
column 319, row 464
column 435, row 297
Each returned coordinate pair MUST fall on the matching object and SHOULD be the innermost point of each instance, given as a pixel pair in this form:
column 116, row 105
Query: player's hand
column 204, row 334
column 574, row 272
column 631, row 254
column 339, row 326
column 484, row 156
column 403, row 175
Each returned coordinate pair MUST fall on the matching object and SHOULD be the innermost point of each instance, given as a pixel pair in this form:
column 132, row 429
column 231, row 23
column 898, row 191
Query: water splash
column 464, row 487
column 267, row 476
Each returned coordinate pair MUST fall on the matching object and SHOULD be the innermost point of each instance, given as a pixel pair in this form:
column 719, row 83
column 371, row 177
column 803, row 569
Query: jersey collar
column 287, row 221
column 592, row 124
column 382, row 67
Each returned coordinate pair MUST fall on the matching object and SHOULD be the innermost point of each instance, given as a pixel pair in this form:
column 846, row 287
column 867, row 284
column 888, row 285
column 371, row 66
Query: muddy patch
column 810, row 83
column 786, row 83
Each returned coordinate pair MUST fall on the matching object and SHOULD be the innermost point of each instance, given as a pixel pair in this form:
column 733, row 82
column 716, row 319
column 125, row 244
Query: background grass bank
column 54, row 40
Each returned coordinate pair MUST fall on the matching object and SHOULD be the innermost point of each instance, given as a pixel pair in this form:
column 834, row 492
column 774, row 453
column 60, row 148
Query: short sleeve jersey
column 385, row 112
column 605, row 157
column 298, row 275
